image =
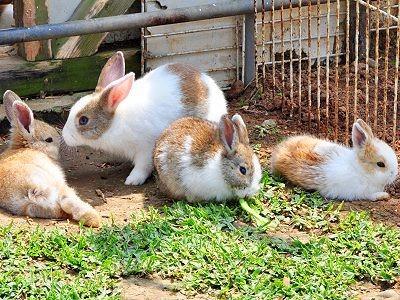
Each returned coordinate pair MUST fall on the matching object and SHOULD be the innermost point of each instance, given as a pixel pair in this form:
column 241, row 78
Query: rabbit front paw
column 379, row 196
column 136, row 177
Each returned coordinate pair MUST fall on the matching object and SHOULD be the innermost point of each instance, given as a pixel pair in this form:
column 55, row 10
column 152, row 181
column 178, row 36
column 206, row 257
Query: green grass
column 204, row 248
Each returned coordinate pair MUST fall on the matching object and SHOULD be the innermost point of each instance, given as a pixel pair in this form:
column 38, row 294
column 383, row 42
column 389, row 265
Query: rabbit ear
column 361, row 133
column 8, row 100
column 116, row 92
column 241, row 129
column 24, row 117
column 228, row 134
column 113, row 70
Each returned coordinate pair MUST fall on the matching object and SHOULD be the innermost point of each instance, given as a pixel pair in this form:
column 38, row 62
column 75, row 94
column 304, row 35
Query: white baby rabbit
column 201, row 160
column 336, row 171
column 125, row 117
column 31, row 181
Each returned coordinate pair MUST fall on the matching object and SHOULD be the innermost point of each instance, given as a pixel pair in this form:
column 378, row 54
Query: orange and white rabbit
column 336, row 171
column 32, row 183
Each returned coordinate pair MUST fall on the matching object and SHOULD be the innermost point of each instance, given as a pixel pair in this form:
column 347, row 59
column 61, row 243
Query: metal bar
column 263, row 44
column 347, row 70
column 304, row 59
column 328, row 48
column 283, row 61
column 318, row 66
column 382, row 12
column 291, row 59
column 255, row 37
column 305, row 18
column 243, row 47
column 138, row 20
column 367, row 45
column 273, row 49
column 376, row 74
column 309, row 64
column 356, row 38
column 288, row 40
column 237, row 50
column 300, row 58
column 149, row 55
column 189, row 31
column 336, row 131
column 250, row 48
column 143, row 42
column 396, row 80
column 385, row 86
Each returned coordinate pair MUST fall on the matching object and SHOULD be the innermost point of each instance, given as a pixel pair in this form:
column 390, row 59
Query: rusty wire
column 300, row 58
column 356, row 39
column 331, row 32
column 309, row 64
column 336, row 133
column 319, row 65
column 328, row 8
column 385, row 80
column 376, row 71
column 282, row 58
column 273, row 48
column 347, row 96
column 291, row 57
column 396, row 77
column 263, row 29
column 255, row 48
column 367, row 45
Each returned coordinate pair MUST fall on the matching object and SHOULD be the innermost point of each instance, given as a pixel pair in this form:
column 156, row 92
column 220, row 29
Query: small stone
column 269, row 123
column 100, row 194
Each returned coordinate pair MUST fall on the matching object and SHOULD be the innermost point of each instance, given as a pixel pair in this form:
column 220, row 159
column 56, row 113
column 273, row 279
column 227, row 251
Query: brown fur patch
column 194, row 91
column 296, row 160
column 368, row 158
column 99, row 119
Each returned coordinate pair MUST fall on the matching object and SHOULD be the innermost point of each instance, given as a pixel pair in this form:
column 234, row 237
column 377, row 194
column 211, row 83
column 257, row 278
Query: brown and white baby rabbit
column 31, row 181
column 202, row 160
column 336, row 171
column 125, row 117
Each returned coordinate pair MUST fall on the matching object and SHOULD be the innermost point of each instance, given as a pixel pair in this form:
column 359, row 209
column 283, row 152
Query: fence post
column 249, row 46
column 362, row 31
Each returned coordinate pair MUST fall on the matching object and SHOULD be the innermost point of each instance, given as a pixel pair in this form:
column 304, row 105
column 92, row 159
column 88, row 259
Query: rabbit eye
column 243, row 170
column 49, row 140
column 380, row 164
column 83, row 120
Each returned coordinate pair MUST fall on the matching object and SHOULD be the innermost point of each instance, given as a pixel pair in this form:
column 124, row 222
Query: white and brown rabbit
column 336, row 171
column 125, row 117
column 202, row 161
column 31, row 181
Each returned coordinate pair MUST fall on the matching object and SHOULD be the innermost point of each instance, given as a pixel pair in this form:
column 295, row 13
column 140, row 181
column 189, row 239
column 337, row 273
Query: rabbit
column 202, row 160
column 31, row 181
column 125, row 117
column 336, row 171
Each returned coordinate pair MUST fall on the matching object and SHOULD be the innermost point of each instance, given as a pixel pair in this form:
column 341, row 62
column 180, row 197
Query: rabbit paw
column 91, row 219
column 137, row 177
column 380, row 196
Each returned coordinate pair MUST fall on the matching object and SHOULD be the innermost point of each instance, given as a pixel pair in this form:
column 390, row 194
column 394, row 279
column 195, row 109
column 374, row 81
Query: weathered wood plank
column 78, row 46
column 29, row 13
column 58, row 76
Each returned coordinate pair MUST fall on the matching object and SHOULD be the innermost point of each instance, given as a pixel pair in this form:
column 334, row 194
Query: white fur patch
column 206, row 183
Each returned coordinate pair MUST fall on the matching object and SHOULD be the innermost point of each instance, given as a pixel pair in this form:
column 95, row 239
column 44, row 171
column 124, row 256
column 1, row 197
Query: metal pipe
column 250, row 49
column 138, row 20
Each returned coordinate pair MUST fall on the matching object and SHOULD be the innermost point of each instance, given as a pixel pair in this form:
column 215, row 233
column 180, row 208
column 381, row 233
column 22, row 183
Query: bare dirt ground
column 99, row 179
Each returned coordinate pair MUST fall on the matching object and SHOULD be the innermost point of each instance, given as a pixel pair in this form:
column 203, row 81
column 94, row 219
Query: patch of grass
column 206, row 251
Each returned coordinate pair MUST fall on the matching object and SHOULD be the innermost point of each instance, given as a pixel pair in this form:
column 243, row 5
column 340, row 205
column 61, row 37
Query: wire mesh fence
column 328, row 64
